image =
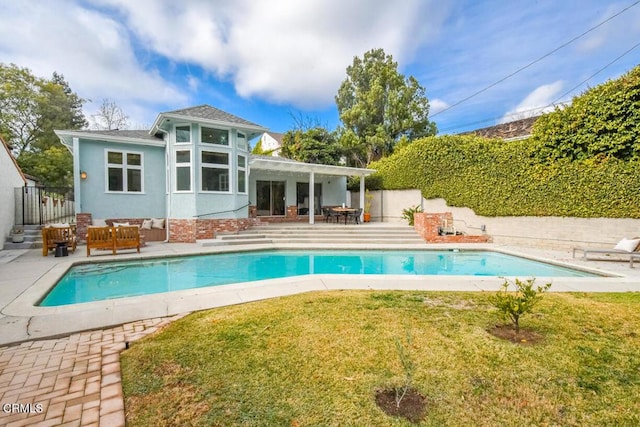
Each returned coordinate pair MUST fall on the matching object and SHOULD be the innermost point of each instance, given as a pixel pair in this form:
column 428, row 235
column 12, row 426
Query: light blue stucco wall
column 101, row 204
column 197, row 203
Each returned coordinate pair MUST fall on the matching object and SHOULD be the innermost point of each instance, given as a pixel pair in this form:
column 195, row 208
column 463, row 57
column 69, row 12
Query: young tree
column 380, row 108
column 109, row 116
column 316, row 145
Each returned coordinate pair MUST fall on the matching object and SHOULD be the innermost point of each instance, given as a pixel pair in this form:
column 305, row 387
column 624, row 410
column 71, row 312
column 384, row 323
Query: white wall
column 551, row 232
column 10, row 179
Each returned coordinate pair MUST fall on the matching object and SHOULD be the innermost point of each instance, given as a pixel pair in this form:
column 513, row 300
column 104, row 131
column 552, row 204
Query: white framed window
column 183, row 134
column 215, row 171
column 214, row 136
column 183, row 170
column 124, row 171
column 242, row 141
column 242, row 175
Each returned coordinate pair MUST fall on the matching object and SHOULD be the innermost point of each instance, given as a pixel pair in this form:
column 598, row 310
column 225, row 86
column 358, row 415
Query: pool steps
column 322, row 233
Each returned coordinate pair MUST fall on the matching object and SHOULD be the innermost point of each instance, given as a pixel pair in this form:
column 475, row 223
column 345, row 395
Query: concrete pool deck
column 25, row 278
column 74, row 378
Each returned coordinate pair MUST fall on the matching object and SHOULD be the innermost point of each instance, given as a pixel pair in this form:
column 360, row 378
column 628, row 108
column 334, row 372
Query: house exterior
column 194, row 168
column 11, row 177
column 271, row 142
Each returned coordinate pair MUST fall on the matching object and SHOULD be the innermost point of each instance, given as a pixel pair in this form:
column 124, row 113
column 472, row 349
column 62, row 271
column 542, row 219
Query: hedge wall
column 498, row 178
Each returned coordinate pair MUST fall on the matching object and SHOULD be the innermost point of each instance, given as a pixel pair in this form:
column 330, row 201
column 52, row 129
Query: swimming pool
column 103, row 281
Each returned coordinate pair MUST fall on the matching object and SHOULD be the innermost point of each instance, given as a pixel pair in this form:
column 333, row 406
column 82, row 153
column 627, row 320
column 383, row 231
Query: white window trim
column 245, row 147
column 210, row 144
column 124, row 166
column 176, row 165
column 228, row 167
column 175, row 134
column 243, row 169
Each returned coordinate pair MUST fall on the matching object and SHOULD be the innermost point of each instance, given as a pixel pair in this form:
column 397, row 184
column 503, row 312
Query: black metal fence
column 42, row 205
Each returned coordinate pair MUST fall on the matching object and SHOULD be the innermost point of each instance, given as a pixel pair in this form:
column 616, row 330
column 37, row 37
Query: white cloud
column 535, row 103
column 284, row 51
column 437, row 105
column 91, row 49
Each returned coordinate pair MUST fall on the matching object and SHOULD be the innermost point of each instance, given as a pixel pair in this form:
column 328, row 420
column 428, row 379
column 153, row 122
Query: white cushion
column 59, row 225
column 98, row 222
column 146, row 224
column 628, row 245
column 157, row 222
column 118, row 224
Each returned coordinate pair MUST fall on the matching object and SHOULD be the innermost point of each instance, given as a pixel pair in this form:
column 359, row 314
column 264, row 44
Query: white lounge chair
column 624, row 248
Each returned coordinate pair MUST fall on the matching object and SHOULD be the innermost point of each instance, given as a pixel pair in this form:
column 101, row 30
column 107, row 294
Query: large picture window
column 215, row 171
column 214, row 136
column 183, row 170
column 124, row 172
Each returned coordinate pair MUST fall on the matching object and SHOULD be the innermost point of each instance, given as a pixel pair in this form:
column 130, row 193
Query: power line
column 552, row 104
column 536, row 61
column 596, row 73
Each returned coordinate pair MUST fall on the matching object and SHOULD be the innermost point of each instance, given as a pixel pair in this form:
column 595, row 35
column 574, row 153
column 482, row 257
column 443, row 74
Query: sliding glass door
column 270, row 198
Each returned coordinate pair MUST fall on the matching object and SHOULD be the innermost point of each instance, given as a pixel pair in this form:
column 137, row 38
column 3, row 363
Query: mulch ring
column 413, row 405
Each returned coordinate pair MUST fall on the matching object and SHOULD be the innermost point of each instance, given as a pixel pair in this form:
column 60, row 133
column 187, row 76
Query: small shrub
column 408, row 213
column 512, row 305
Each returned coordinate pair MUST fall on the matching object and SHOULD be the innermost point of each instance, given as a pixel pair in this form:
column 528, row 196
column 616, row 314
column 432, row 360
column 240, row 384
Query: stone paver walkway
column 70, row 381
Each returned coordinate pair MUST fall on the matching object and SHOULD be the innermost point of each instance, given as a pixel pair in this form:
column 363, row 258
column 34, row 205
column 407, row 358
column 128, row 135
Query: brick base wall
column 428, row 225
column 190, row 230
column 83, row 220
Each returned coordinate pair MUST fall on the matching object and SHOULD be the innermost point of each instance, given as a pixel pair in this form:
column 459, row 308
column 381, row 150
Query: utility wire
column 594, row 74
column 536, row 61
column 552, row 104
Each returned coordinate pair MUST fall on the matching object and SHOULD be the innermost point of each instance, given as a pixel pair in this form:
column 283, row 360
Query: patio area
column 62, row 365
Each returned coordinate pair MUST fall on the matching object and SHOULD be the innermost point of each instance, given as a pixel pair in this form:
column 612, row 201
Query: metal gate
column 42, row 205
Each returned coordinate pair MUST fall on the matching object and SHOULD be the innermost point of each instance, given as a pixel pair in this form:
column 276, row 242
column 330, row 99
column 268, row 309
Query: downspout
column 77, row 194
column 167, row 183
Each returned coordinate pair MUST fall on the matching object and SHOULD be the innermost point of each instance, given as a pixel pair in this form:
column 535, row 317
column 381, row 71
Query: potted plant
column 17, row 235
column 368, row 197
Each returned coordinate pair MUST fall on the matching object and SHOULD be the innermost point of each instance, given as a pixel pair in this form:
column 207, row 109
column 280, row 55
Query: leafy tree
column 18, row 106
column 31, row 108
column 602, row 122
column 380, row 108
column 316, row 145
column 109, row 116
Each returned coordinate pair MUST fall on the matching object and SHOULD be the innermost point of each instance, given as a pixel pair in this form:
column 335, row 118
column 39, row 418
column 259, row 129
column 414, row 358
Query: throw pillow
column 157, row 222
column 628, row 245
column 146, row 224
column 118, row 224
column 99, row 223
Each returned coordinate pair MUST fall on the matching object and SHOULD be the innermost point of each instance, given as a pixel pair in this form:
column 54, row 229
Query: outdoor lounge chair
column 624, row 248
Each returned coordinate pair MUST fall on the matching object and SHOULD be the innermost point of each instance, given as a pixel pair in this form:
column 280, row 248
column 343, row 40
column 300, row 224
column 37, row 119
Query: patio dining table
column 344, row 212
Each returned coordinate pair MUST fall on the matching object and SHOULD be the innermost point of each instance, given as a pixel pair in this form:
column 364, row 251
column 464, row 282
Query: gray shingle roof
column 138, row 134
column 211, row 113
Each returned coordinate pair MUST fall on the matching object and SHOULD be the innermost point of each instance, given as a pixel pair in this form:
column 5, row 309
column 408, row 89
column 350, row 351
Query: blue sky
column 268, row 60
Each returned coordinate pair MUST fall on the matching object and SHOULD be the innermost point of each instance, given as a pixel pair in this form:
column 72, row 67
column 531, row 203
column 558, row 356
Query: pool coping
column 65, row 319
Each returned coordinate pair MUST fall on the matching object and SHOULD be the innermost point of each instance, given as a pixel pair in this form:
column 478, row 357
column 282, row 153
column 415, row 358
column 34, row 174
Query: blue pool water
column 95, row 282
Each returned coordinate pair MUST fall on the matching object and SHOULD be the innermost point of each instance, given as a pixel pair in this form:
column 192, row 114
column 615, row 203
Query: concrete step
column 221, row 242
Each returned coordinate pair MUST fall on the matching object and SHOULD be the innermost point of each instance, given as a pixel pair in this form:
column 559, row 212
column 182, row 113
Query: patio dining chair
column 356, row 215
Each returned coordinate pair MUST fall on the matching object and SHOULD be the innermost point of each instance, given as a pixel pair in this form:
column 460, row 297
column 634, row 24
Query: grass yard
column 317, row 359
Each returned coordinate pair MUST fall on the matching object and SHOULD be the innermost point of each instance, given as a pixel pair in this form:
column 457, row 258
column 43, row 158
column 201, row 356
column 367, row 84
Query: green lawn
column 318, row 358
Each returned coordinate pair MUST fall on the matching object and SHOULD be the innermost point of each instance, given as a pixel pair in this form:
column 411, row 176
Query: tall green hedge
column 498, row 178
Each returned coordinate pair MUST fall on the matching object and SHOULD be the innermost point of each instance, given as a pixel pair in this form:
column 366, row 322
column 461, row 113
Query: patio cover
column 286, row 165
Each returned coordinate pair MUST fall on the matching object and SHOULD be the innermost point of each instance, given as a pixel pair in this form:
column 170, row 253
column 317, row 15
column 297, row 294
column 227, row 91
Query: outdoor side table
column 62, row 249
